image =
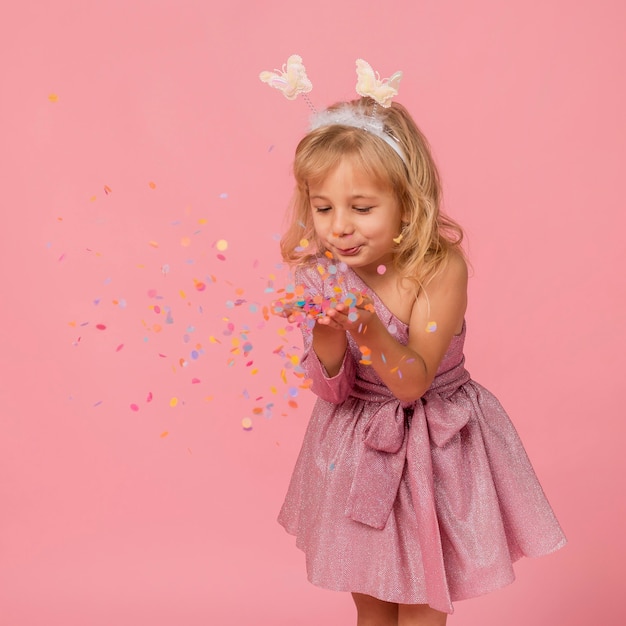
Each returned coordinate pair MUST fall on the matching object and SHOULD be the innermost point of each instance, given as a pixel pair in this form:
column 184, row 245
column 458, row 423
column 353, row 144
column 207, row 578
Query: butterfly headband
column 292, row 81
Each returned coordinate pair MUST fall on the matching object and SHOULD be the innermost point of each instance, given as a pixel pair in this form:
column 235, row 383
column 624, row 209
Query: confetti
column 173, row 402
column 134, row 407
column 165, row 433
column 107, row 190
column 119, row 347
column 246, row 423
column 381, row 269
column 152, row 185
column 53, row 97
column 101, row 327
column 431, row 327
column 222, row 245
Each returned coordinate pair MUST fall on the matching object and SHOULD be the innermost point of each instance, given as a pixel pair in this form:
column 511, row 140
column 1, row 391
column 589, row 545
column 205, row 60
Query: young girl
column 412, row 488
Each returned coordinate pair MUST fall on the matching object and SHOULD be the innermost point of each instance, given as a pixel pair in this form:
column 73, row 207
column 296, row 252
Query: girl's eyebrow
column 358, row 196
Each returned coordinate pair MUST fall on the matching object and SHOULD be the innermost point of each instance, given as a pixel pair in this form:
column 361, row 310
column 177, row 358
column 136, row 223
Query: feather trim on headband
column 348, row 116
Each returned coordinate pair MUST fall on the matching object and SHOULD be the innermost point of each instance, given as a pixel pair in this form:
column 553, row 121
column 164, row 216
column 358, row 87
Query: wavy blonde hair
column 428, row 236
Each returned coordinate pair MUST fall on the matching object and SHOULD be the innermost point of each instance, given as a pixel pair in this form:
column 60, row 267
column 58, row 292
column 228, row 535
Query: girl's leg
column 420, row 615
column 374, row 612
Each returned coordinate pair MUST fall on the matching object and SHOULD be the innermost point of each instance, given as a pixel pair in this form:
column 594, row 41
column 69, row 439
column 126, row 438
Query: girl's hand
column 347, row 318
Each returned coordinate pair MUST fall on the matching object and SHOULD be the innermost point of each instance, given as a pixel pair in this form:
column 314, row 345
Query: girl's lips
column 349, row 251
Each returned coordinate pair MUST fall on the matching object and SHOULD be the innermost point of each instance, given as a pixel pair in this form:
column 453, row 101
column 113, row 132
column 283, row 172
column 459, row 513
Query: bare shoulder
column 453, row 272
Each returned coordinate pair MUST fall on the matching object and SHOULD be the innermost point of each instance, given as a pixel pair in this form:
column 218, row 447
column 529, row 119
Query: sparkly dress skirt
column 426, row 503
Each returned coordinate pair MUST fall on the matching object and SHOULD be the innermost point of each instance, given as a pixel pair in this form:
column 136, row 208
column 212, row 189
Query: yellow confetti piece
column 173, row 402
column 165, row 433
column 53, row 97
column 246, row 423
column 93, row 198
column 202, row 221
column 273, row 389
column 182, row 294
column 222, row 245
column 304, row 243
column 208, row 398
column 212, row 339
column 295, row 359
column 254, row 371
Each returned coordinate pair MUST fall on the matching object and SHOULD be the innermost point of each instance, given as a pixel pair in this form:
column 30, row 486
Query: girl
column 412, row 488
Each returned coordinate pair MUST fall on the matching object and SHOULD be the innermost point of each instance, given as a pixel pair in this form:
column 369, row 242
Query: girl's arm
column 408, row 371
column 330, row 346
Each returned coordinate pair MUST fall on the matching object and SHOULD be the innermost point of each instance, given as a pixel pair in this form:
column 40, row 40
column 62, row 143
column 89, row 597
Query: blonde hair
column 428, row 236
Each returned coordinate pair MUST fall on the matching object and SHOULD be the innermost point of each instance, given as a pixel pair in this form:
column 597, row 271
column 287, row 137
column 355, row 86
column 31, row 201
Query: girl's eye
column 321, row 209
column 362, row 209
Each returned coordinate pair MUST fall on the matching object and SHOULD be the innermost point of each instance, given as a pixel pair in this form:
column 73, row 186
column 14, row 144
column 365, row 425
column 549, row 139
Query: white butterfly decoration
column 369, row 84
column 291, row 81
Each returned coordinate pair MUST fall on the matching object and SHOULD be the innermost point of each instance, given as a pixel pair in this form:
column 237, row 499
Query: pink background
column 104, row 518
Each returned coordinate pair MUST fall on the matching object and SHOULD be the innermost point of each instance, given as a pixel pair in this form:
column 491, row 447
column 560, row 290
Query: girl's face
column 355, row 218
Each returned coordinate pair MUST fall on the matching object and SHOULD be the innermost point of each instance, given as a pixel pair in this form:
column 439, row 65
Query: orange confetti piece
column 152, row 185
column 165, row 433
column 107, row 190
column 293, row 404
column 154, row 244
column 53, row 97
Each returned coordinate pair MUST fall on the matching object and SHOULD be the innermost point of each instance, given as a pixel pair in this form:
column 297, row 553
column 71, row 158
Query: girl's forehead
column 353, row 168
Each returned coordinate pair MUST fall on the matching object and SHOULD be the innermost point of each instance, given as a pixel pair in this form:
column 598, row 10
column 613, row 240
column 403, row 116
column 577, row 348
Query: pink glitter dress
column 426, row 503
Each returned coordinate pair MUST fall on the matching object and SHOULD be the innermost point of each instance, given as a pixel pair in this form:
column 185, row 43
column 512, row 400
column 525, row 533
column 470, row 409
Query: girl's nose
column 341, row 225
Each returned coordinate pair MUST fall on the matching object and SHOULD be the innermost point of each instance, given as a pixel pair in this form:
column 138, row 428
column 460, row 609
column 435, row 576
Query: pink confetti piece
column 62, row 257
column 149, row 397
column 119, row 347
column 221, row 257
column 195, row 381
column 101, row 327
column 134, row 407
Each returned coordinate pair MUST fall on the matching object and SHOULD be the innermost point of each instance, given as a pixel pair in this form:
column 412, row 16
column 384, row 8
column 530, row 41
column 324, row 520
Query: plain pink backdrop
column 166, row 514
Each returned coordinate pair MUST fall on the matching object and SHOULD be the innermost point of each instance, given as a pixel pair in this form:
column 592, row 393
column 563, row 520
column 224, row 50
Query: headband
column 292, row 81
